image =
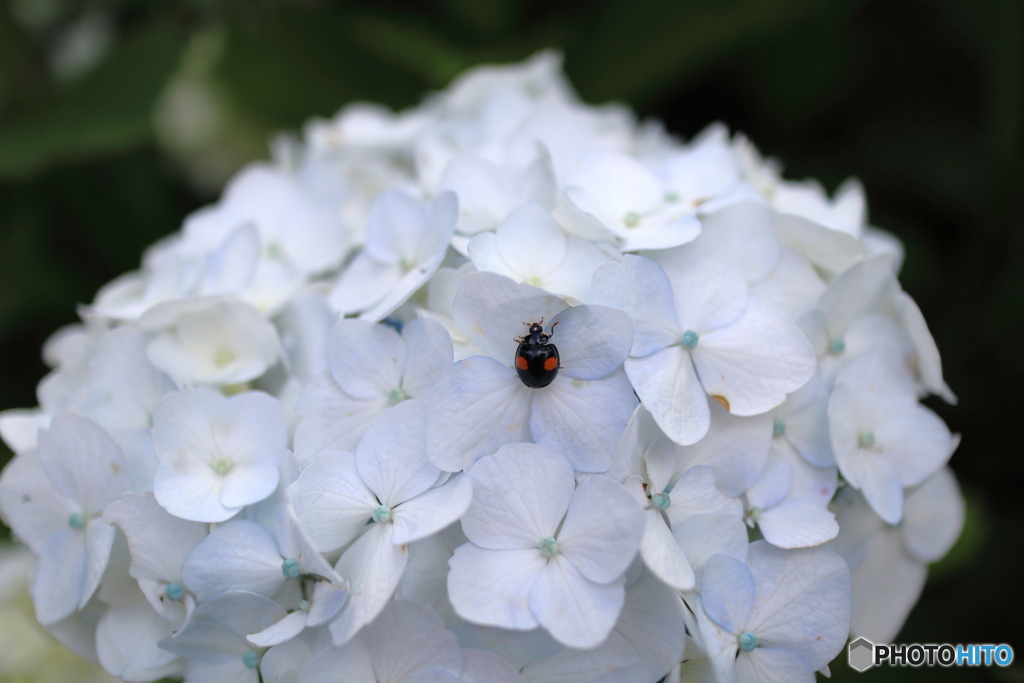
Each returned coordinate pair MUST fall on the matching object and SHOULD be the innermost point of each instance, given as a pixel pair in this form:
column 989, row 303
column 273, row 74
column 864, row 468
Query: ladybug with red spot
column 537, row 361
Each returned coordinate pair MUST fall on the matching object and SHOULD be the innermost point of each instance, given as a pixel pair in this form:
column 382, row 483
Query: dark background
column 102, row 154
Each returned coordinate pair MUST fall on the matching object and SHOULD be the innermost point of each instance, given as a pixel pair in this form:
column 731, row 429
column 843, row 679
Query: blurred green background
column 119, row 117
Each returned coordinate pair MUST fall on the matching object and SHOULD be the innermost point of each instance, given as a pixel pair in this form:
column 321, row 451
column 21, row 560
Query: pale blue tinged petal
column 332, row 502
column 238, row 555
column 491, row 310
column 584, row 420
column 520, row 495
column 366, row 359
column 575, row 611
column 592, row 341
column 727, row 592
column 640, row 287
column 477, row 406
column 391, row 458
column 492, row 587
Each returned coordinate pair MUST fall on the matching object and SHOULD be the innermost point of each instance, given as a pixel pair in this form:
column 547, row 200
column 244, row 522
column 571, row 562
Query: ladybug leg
column 553, row 326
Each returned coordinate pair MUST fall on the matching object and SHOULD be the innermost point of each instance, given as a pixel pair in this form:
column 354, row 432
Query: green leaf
column 109, row 111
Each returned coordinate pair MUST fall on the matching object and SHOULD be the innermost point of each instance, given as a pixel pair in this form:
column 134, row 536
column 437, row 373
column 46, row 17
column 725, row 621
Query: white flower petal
column 126, row 643
column 704, row 536
column 158, row 541
column 667, row 384
column 662, row 553
column 773, row 665
column 746, row 230
column 584, row 420
column 292, row 625
column 431, row 511
column 238, row 555
column 797, row 523
column 592, row 340
column 476, row 406
column 331, row 419
column 492, row 587
column 366, row 359
column 602, row 529
column 727, row 592
column 493, row 310
column 886, row 585
column 363, row 283
column 83, row 462
column 520, row 495
column 831, row 250
column 753, row 363
column 348, row 663
column 332, row 502
column 481, row 666
column 708, row 286
column 391, row 458
column 933, row 517
column 408, row 642
column 640, row 287
column 61, row 576
column 373, row 566
column 31, row 506
column 428, row 354
column 575, row 611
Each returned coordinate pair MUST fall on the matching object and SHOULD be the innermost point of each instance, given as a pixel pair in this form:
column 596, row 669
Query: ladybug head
column 536, row 329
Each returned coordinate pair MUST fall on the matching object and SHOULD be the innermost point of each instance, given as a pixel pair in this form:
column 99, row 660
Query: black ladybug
column 537, row 361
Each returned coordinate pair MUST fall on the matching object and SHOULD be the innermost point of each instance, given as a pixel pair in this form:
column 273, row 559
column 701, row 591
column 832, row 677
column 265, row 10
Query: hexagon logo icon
column 861, row 654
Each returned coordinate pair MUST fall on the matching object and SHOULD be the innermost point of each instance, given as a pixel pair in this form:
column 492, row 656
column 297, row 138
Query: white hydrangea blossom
column 314, row 435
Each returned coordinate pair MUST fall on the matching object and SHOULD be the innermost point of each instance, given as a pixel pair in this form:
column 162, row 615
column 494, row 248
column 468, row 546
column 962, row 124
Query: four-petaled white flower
column 780, row 616
column 372, row 368
column 543, row 551
column 480, row 403
column 376, row 502
column 696, row 330
column 53, row 498
column 216, row 455
column 406, row 241
column 882, row 438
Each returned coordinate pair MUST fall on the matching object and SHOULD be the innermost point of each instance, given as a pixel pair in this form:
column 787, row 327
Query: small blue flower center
column 661, row 501
column 631, row 219
column 77, row 521
column 548, row 546
column 778, row 427
column 174, row 591
column 250, row 659
column 381, row 514
column 396, row 396
column 866, row 439
column 290, row 568
column 304, row 605
column 689, row 339
column 221, row 466
column 748, row 641
column 837, row 347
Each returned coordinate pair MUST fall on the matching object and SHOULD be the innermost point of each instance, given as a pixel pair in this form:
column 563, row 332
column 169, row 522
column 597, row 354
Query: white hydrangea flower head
column 498, row 388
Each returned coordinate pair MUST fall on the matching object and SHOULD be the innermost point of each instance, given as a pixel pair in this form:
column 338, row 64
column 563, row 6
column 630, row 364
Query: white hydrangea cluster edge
column 504, row 387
